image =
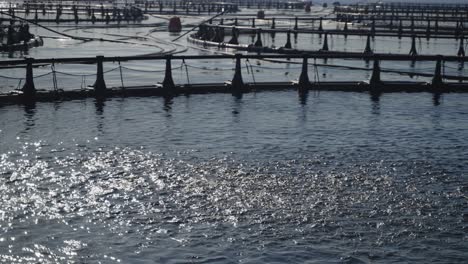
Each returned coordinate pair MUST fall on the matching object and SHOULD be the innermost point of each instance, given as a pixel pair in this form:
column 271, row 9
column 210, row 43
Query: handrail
column 312, row 55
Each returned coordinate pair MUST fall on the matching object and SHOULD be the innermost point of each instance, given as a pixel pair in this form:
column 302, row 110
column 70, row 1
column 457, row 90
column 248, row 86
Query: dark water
column 267, row 178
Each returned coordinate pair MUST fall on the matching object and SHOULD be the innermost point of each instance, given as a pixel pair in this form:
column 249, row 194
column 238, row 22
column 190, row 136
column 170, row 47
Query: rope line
column 19, row 85
column 11, row 78
column 54, row 77
column 130, row 69
column 121, row 76
column 186, row 71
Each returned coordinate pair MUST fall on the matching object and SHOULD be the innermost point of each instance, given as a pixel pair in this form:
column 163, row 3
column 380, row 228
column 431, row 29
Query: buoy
column 175, row 25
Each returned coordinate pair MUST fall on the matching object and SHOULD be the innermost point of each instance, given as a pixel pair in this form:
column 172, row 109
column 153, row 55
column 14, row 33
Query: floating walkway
column 236, row 85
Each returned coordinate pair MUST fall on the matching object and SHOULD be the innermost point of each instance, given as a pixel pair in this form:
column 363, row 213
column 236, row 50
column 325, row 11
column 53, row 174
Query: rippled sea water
column 266, row 178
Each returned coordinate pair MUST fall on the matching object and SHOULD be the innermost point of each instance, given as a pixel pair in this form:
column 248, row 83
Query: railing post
column 437, row 79
column 413, row 51
column 28, row 88
column 288, row 40
column 400, row 29
column 273, row 23
column 234, row 40
column 325, row 43
column 368, row 49
column 259, row 43
column 461, row 49
column 428, row 29
column 375, row 78
column 100, row 84
column 304, row 82
column 168, row 82
column 237, row 82
column 321, row 24
column 296, row 26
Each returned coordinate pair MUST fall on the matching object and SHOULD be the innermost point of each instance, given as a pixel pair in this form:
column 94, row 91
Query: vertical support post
column 413, row 51
column 325, row 43
column 368, row 49
column 321, row 24
column 296, row 27
column 29, row 89
column 273, row 24
column 428, row 29
column 375, row 78
column 412, row 24
column 234, row 39
column 100, row 84
column 304, row 82
column 168, row 82
column 288, row 41
column 253, row 22
column 259, row 43
column 237, row 82
column 461, row 49
column 400, row 29
column 437, row 79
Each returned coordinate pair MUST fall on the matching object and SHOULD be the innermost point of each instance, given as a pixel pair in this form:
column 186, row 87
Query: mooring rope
column 54, row 76
column 19, row 84
column 83, row 82
column 11, row 78
column 186, row 71
column 121, row 76
column 249, row 65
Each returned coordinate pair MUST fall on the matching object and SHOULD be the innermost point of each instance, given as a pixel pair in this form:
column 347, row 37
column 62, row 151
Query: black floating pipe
column 100, row 84
column 237, row 82
column 288, row 40
column 304, row 82
column 168, row 82
column 325, row 43
column 413, row 51
column 29, row 88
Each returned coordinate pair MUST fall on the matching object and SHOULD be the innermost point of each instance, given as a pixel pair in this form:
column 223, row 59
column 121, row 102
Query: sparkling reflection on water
column 266, row 178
